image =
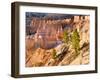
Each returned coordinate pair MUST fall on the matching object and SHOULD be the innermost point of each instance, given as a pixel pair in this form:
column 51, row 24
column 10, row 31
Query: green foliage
column 75, row 41
column 54, row 53
column 65, row 37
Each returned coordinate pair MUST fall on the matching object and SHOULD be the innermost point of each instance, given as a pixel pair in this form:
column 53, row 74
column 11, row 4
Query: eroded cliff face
column 83, row 26
column 47, row 35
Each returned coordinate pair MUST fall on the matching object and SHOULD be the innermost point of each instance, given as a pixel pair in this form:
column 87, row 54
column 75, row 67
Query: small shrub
column 54, row 54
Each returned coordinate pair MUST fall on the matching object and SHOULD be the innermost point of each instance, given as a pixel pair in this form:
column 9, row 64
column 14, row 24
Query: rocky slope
column 42, row 57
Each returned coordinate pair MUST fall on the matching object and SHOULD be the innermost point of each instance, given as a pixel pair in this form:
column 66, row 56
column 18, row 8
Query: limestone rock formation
column 45, row 35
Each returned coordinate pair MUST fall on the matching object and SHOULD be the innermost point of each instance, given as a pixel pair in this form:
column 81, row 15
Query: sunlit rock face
column 82, row 24
column 48, row 33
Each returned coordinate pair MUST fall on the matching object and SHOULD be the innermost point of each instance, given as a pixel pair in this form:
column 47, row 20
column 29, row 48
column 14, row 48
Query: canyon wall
column 47, row 33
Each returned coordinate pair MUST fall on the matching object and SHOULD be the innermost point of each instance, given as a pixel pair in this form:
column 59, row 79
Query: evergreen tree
column 54, row 53
column 65, row 37
column 75, row 41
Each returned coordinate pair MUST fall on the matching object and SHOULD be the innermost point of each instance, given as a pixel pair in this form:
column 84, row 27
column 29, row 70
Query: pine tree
column 75, row 41
column 65, row 37
column 54, row 53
